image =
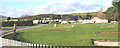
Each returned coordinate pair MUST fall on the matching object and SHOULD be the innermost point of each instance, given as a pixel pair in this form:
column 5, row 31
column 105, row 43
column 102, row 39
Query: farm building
column 98, row 20
column 94, row 20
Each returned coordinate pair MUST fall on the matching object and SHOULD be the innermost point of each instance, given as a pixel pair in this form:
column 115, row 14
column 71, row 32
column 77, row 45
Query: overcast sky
column 16, row 8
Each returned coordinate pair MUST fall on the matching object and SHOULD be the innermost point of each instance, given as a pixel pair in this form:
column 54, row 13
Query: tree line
column 113, row 13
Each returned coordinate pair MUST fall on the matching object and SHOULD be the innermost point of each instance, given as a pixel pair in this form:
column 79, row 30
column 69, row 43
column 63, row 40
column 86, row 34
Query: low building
column 13, row 19
column 35, row 21
column 63, row 22
column 87, row 21
column 98, row 20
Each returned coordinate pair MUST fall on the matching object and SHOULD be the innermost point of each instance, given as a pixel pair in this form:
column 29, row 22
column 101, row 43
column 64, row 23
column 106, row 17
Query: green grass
column 65, row 35
column 11, row 27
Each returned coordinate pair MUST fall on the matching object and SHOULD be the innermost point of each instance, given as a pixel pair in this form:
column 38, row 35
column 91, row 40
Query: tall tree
column 100, row 14
column 8, row 18
column 116, row 6
column 111, row 14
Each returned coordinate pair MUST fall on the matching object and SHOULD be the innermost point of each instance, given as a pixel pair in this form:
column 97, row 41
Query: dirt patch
column 108, row 33
column 55, row 30
column 62, row 27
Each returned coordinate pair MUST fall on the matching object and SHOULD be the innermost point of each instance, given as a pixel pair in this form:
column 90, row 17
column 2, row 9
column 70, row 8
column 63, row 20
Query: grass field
column 11, row 27
column 65, row 35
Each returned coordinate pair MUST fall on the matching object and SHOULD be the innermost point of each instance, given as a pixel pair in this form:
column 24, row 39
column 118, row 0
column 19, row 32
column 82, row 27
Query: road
column 6, row 32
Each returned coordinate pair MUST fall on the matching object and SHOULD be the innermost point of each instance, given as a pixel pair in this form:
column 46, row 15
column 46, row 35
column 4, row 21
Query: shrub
column 19, row 23
column 54, row 22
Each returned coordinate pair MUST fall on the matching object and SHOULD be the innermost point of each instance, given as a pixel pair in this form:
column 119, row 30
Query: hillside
column 3, row 18
column 83, row 14
column 74, row 15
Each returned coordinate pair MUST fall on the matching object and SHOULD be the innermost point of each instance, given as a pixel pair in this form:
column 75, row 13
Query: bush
column 54, row 22
column 19, row 23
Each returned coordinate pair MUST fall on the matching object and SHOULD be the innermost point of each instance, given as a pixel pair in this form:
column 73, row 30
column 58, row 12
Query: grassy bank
column 66, row 35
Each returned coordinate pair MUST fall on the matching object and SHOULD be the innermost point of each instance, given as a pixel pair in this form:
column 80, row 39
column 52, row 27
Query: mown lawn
column 66, row 35
column 11, row 27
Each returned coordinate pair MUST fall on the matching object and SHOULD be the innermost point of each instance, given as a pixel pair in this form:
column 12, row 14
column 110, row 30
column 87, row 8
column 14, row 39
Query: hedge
column 19, row 23
column 56, row 22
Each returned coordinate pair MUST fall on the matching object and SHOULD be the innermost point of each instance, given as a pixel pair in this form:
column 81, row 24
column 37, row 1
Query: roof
column 96, row 18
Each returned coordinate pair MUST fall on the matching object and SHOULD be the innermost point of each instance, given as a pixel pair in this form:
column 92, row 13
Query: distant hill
column 3, row 18
column 32, row 17
column 83, row 14
column 39, row 16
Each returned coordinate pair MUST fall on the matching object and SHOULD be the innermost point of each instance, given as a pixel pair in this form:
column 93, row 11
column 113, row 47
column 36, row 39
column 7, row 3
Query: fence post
column 15, row 27
column 40, row 45
column 43, row 46
column 55, row 25
column 51, row 46
column 72, row 25
column 34, row 45
column 0, row 42
column 47, row 46
column 37, row 45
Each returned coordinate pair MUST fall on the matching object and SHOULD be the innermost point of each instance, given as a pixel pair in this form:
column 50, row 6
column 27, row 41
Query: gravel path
column 6, row 32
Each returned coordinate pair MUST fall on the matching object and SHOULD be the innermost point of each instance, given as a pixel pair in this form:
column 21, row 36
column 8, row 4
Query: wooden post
column 0, row 42
column 15, row 27
column 55, row 25
column 72, row 25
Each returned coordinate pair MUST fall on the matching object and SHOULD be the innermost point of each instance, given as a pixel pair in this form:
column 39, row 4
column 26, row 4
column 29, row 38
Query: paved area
column 6, row 32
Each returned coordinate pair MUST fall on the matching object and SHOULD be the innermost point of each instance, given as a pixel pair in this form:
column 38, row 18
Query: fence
column 19, row 23
column 7, row 43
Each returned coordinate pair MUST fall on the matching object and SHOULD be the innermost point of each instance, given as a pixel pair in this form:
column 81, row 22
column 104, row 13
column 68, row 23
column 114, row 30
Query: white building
column 63, row 22
column 87, row 21
column 97, row 20
column 35, row 21
column 113, row 21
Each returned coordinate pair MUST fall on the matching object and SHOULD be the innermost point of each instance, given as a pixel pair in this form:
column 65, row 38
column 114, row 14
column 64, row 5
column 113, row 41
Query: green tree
column 116, row 7
column 111, row 14
column 8, row 18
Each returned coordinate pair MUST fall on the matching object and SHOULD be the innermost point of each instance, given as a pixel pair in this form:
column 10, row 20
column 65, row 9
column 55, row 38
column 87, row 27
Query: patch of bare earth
column 62, row 27
column 108, row 33
column 55, row 30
